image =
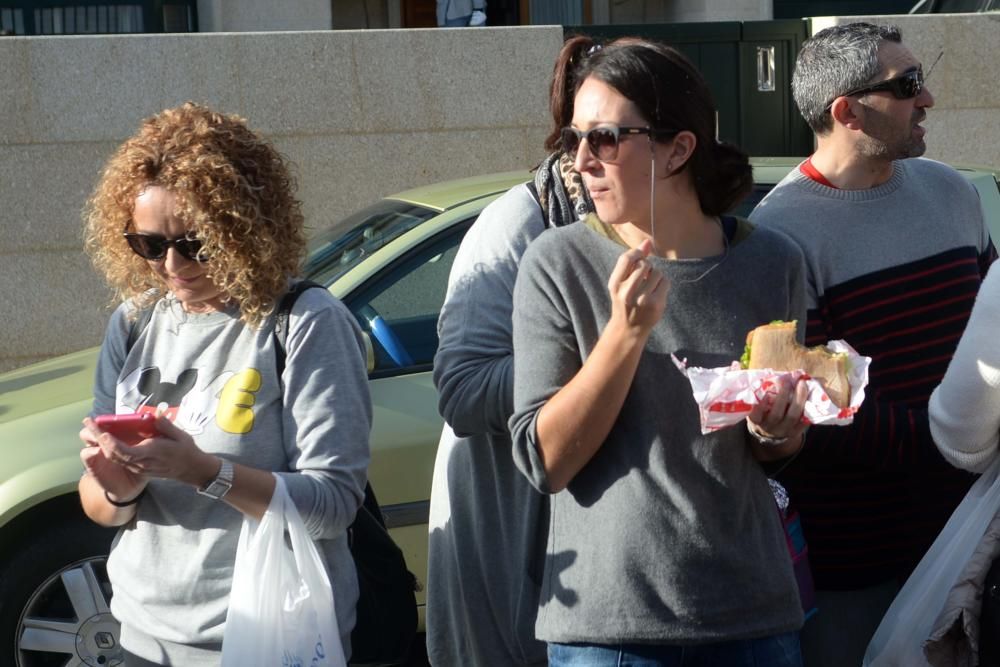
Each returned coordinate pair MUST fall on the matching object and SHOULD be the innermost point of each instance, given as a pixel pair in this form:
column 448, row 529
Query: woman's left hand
column 172, row 454
column 780, row 418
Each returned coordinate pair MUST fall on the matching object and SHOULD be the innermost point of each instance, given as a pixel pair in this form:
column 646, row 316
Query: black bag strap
column 281, row 315
column 137, row 326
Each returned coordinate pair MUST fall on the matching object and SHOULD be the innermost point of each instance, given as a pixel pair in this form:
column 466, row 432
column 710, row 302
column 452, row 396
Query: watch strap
column 219, row 487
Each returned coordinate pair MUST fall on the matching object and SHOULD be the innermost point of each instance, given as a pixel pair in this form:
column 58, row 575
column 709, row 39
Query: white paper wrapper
column 725, row 396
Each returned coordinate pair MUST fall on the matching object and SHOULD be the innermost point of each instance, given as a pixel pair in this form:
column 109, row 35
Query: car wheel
column 54, row 595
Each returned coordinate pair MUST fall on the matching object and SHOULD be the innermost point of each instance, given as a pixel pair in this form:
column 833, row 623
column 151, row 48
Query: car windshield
column 337, row 250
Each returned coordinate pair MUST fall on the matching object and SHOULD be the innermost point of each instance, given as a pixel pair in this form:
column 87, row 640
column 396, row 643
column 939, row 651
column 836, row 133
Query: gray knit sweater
column 666, row 535
column 894, row 271
column 171, row 566
column 485, row 516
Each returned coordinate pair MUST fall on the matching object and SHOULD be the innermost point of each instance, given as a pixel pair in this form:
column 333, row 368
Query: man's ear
column 845, row 111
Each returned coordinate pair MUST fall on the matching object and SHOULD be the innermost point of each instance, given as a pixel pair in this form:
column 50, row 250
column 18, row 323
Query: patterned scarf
column 561, row 192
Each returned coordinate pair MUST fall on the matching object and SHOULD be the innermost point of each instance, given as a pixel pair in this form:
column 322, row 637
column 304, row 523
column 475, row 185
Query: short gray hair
column 834, row 61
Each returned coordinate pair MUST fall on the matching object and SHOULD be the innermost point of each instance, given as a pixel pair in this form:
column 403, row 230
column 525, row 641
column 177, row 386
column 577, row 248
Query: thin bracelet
column 127, row 503
column 765, row 440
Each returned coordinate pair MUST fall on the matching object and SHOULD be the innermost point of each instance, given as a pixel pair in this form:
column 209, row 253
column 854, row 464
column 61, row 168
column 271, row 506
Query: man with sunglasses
column 896, row 250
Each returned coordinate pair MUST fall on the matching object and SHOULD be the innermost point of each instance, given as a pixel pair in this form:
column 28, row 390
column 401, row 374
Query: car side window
column 399, row 309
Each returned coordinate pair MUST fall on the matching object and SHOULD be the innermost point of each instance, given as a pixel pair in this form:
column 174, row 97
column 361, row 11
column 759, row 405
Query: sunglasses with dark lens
column 602, row 141
column 154, row 247
column 903, row 87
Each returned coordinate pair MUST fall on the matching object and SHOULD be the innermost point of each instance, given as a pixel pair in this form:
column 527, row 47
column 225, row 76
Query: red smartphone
column 129, row 428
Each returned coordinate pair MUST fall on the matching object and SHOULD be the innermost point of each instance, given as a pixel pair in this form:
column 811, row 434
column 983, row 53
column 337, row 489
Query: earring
column 670, row 169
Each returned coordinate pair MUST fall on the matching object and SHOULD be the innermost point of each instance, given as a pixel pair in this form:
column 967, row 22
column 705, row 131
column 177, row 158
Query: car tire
column 55, row 593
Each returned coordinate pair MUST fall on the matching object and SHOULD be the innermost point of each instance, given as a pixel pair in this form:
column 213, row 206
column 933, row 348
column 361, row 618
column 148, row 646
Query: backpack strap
column 281, row 314
column 137, row 326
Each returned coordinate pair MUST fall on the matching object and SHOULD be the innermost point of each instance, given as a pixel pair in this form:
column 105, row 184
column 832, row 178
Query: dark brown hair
column 563, row 86
column 672, row 96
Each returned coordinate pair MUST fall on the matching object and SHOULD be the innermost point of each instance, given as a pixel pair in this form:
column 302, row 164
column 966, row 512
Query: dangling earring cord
column 652, row 191
column 652, row 194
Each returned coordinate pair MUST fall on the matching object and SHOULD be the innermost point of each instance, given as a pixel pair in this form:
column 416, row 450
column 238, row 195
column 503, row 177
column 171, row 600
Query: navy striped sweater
column 894, row 271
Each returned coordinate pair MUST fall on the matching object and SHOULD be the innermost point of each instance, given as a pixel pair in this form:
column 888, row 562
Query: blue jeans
column 458, row 22
column 776, row 651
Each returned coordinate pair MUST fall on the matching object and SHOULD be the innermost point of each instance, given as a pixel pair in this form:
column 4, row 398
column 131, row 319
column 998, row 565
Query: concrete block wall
column 361, row 114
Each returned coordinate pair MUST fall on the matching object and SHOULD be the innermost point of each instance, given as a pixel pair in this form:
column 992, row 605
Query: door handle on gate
column 765, row 69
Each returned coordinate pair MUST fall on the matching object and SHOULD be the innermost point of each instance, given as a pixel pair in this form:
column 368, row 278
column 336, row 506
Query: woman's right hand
column 120, row 482
column 638, row 291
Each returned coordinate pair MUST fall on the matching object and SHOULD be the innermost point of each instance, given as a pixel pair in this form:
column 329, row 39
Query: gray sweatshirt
column 666, row 535
column 487, row 523
column 171, row 567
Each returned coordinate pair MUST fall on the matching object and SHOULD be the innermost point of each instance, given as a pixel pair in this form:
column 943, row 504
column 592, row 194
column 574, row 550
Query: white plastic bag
column 899, row 640
column 281, row 609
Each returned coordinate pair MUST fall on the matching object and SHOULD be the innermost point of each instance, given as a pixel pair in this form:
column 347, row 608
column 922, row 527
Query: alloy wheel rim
column 69, row 617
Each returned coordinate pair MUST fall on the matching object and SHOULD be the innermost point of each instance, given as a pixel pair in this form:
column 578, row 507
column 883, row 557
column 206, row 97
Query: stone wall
column 362, row 114
column 963, row 124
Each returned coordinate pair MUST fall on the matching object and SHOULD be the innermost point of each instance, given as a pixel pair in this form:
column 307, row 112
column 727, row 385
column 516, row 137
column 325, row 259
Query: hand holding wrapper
column 726, row 395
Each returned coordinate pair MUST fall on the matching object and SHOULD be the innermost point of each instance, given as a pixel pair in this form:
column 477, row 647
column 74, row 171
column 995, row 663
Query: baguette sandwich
column 774, row 346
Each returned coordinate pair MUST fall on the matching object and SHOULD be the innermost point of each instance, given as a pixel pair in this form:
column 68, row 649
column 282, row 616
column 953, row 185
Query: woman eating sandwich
column 662, row 541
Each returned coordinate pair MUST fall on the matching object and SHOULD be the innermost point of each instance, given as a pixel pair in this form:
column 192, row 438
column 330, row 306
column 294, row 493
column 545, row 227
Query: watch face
column 217, row 489
column 219, row 486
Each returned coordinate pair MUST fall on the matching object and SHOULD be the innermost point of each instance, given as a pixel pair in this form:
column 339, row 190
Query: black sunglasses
column 154, row 246
column 903, row 87
column 603, row 141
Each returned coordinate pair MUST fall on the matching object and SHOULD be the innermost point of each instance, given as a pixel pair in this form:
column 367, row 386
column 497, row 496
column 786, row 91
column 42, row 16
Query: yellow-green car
column 389, row 264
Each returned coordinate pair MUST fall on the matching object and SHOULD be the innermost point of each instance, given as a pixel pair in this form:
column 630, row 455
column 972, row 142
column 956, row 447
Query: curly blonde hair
column 234, row 192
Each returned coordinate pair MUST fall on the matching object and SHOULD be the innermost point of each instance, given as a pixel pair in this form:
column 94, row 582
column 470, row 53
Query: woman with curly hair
column 195, row 218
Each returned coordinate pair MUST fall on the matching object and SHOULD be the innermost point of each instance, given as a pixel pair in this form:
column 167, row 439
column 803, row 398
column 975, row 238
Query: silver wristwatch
column 219, row 486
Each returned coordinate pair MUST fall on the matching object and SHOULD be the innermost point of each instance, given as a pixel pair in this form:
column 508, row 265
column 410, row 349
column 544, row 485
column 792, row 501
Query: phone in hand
column 129, row 428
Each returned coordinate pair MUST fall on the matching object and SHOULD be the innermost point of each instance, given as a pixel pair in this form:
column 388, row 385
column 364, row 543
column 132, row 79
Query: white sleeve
column 965, row 408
